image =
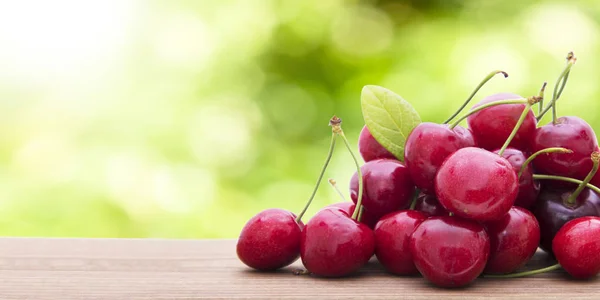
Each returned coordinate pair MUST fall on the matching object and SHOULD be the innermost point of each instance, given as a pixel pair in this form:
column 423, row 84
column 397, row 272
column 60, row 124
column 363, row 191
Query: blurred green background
column 182, row 119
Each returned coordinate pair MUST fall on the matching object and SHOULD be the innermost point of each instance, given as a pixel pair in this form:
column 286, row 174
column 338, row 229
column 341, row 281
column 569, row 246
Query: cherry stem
column 481, row 84
column 333, row 184
column 573, row 198
column 329, row 154
column 360, row 213
column 541, row 95
column 526, row 273
column 562, row 80
column 338, row 130
column 530, row 102
column 480, row 108
column 566, row 179
column 547, row 150
column 414, row 201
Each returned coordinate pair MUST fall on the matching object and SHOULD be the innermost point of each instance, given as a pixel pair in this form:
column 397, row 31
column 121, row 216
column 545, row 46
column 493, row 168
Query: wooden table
column 187, row 269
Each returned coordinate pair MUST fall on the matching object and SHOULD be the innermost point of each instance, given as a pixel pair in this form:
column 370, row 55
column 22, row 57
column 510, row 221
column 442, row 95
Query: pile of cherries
column 458, row 204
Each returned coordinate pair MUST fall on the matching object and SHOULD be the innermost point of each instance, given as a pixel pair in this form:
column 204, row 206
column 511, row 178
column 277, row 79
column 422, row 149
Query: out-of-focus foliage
column 185, row 118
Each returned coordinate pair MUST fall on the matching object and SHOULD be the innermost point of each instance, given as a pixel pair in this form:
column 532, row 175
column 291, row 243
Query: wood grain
column 187, row 269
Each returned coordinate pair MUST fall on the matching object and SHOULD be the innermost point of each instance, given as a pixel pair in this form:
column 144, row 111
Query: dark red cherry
column 577, row 247
column 270, row 240
column 572, row 133
column 492, row 126
column 349, row 207
column 552, row 211
column 426, row 148
column 334, row 245
column 429, row 205
column 476, row 184
column 529, row 189
column 513, row 241
column 392, row 240
column 369, row 148
column 449, row 251
column 387, row 187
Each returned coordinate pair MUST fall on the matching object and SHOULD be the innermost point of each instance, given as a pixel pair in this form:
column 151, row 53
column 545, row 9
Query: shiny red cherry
column 476, row 184
column 552, row 211
column 430, row 206
column 335, row 245
column 387, row 187
column 449, row 251
column 572, row 133
column 369, row 148
column 529, row 189
column 349, row 207
column 513, row 241
column 392, row 240
column 270, row 240
column 493, row 125
column 577, row 247
column 426, row 148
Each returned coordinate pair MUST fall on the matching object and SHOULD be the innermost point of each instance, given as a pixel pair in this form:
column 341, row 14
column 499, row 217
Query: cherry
column 349, row 207
column 429, row 205
column 576, row 247
column 476, row 184
column 387, row 187
column 392, row 240
column 493, row 125
column 569, row 132
column 426, row 148
column 513, row 240
column 449, row 251
column 529, row 189
column 270, row 240
column 369, row 148
column 335, row 245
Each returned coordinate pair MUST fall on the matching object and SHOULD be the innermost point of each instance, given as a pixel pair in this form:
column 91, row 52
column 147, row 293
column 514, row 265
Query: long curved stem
column 573, row 198
column 562, row 80
column 526, row 273
column 547, row 150
column 565, row 179
column 531, row 101
column 312, row 196
column 359, row 173
column 480, row 108
column 481, row 84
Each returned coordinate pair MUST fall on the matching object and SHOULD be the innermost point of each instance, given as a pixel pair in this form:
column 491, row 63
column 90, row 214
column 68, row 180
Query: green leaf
column 389, row 118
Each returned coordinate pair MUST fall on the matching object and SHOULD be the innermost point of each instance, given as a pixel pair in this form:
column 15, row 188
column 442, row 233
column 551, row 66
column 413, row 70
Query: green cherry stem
column 329, row 154
column 481, row 84
column 562, row 81
column 337, row 128
column 547, row 150
column 565, row 179
column 541, row 95
column 482, row 107
column 530, row 102
column 414, row 201
column 333, row 184
column 573, row 198
column 526, row 273
column 360, row 213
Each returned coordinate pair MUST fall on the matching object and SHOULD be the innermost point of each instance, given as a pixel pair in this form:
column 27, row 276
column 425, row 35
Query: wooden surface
column 185, row 269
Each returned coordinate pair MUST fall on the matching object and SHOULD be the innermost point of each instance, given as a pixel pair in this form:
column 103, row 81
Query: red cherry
column 270, row 240
column 569, row 132
column 369, row 148
column 448, row 251
column 349, row 207
column 513, row 240
column 476, row 184
column 334, row 245
column 427, row 147
column 392, row 240
column 529, row 189
column 577, row 247
column 387, row 187
column 430, row 206
column 492, row 126
column 552, row 211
